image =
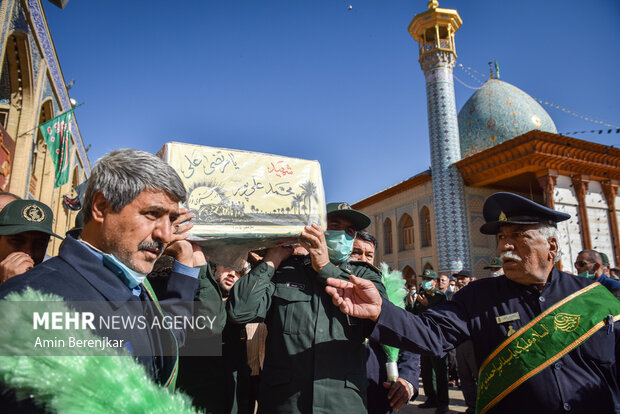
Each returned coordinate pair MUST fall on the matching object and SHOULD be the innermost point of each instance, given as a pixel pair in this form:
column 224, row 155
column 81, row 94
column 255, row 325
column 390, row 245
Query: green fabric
column 396, row 292
column 315, row 355
column 544, row 340
column 57, row 134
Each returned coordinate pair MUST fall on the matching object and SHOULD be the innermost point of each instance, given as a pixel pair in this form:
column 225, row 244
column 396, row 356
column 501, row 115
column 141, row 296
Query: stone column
column 580, row 183
column 610, row 189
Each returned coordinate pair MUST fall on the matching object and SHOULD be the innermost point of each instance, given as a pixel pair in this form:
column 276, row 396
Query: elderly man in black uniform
column 544, row 339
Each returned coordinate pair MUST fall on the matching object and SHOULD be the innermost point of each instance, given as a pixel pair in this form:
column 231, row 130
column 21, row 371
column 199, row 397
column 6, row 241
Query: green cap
column 605, row 258
column 430, row 273
column 494, row 264
column 20, row 216
column 344, row 210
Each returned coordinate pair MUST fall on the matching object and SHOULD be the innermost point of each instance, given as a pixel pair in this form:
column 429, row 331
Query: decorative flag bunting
column 57, row 134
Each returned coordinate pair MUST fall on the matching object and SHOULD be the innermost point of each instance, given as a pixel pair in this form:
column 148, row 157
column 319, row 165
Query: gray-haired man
column 131, row 215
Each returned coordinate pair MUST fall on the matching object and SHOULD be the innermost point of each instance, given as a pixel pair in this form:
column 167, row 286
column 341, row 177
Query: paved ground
column 457, row 403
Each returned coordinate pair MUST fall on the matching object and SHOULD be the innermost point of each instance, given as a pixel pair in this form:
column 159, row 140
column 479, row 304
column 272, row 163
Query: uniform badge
column 510, row 331
column 293, row 285
column 33, row 213
column 507, row 318
column 502, row 216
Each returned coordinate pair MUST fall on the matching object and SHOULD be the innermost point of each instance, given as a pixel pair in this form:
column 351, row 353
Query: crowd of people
column 302, row 328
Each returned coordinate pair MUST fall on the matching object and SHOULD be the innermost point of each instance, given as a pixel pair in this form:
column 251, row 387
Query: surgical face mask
column 339, row 245
column 450, row 288
column 129, row 276
column 426, row 284
column 587, row 275
column 496, row 273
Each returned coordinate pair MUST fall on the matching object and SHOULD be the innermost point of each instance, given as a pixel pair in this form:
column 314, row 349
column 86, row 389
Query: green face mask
column 587, row 275
column 339, row 245
column 426, row 284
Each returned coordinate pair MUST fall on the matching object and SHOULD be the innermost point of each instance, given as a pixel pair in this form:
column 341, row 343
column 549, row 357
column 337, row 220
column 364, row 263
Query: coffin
column 246, row 200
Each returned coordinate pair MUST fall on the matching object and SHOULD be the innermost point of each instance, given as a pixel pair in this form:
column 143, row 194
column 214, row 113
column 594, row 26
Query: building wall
column 35, row 92
column 571, row 241
column 598, row 220
column 482, row 247
column 571, row 237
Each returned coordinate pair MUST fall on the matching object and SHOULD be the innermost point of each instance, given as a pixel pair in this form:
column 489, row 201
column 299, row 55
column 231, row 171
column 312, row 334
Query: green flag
column 57, row 134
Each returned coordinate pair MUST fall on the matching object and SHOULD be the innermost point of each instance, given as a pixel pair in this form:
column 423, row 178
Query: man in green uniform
column 315, row 358
column 25, row 230
column 217, row 384
column 433, row 370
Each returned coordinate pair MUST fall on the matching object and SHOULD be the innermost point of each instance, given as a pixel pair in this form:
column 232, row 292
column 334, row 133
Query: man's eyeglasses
column 581, row 263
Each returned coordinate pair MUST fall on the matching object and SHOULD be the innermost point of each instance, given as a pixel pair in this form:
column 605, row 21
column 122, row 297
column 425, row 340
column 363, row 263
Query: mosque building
column 501, row 140
column 33, row 91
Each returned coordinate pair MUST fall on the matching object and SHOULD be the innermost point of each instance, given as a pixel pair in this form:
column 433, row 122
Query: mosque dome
column 497, row 112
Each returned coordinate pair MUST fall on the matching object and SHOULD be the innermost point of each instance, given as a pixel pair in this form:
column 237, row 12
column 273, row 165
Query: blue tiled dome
column 496, row 113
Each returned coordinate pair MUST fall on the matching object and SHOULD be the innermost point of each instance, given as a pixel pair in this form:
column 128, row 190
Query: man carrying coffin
column 315, row 358
column 544, row 339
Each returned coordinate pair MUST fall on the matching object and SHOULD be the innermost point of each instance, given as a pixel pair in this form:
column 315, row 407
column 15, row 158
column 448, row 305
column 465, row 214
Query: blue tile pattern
column 18, row 19
column 497, row 112
column 5, row 23
column 451, row 227
column 5, row 84
column 49, row 93
column 37, row 60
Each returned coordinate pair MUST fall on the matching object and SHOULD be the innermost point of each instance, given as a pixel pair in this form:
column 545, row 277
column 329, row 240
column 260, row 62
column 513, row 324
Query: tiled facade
column 33, row 90
column 497, row 112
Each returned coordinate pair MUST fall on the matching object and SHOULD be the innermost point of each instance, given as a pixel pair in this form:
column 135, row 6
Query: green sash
column 172, row 379
column 544, row 340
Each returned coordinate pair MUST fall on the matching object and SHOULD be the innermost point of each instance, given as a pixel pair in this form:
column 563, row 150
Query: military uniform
column 583, row 380
column 315, row 358
column 217, row 384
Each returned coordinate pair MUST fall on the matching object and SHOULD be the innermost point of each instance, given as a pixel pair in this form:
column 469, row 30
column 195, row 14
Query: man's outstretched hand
column 358, row 298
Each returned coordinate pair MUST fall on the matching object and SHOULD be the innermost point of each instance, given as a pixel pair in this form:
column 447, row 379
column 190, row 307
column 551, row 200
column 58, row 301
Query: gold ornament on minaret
column 434, row 29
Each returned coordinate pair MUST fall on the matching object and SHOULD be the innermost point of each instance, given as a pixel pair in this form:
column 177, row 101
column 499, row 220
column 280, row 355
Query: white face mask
column 450, row 288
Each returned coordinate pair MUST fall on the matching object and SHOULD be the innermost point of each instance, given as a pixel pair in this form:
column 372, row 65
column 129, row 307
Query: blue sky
column 312, row 79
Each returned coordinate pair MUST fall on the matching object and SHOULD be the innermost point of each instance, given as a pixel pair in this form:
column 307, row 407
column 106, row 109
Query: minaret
column 434, row 31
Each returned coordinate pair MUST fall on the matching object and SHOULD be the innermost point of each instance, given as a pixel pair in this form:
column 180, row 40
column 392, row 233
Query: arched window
column 405, row 233
column 409, row 274
column 387, row 236
column 425, row 224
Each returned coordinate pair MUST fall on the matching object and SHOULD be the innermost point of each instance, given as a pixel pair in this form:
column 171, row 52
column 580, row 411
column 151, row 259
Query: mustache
column 152, row 245
column 509, row 255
